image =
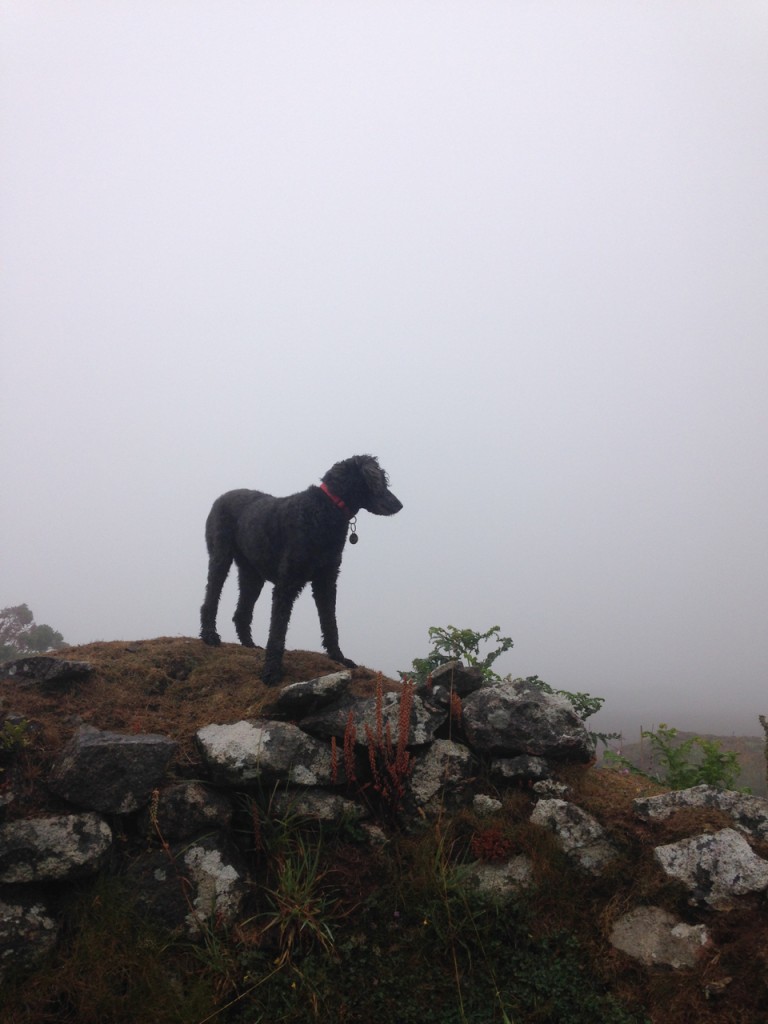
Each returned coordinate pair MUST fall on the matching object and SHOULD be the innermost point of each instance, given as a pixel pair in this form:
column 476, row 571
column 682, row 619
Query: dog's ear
column 374, row 476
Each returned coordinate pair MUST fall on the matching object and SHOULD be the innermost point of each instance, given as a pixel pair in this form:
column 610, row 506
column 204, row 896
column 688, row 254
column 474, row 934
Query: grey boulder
column 714, row 867
column 513, row 718
column 110, row 772
column 60, row 847
column 657, row 938
column 246, row 753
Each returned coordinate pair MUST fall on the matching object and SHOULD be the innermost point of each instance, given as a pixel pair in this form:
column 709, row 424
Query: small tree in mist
column 20, row 634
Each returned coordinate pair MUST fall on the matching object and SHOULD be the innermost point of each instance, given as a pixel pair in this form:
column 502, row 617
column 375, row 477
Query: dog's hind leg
column 218, row 540
column 324, row 593
column 283, row 597
column 251, row 584
column 218, row 568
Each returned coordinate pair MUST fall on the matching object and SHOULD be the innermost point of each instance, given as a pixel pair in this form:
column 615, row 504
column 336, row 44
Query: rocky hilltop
column 344, row 820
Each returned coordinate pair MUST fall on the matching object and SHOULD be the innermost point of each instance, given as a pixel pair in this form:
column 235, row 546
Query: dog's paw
column 271, row 674
column 210, row 637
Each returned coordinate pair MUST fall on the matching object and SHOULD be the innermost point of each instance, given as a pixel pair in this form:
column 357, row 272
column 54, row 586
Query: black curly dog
column 290, row 542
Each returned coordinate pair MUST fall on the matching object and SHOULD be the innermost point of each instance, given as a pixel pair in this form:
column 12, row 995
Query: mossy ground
column 338, row 930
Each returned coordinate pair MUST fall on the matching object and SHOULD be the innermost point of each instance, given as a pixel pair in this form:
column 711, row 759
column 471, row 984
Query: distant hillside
column 750, row 751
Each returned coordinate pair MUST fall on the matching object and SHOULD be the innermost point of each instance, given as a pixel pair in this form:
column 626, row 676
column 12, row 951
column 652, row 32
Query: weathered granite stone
column 580, row 837
column 44, row 671
column 657, row 938
column 519, row 769
column 332, row 721
column 44, row 849
column 498, row 882
column 191, row 884
column 185, row 809
column 513, row 717
column 441, row 778
column 299, row 699
column 454, row 675
column 110, row 772
column 714, row 867
column 317, row 805
column 28, row 930
column 749, row 813
column 546, row 788
column 249, row 752
column 484, row 805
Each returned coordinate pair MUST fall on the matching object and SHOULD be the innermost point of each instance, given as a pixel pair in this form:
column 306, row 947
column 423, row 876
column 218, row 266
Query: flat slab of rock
column 47, row 849
column 247, row 752
column 749, row 813
column 44, row 671
column 317, row 805
column 111, row 772
column 714, row 868
column 657, row 938
column 581, row 838
column 300, row 699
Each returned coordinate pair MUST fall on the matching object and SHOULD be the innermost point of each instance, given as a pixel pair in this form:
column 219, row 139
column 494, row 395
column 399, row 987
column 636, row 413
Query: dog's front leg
column 283, row 598
column 324, row 593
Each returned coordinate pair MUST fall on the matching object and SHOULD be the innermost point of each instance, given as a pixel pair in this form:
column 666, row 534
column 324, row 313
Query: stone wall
column 311, row 753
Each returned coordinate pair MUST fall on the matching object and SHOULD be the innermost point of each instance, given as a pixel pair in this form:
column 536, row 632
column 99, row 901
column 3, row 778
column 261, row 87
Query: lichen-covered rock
column 581, row 838
column 440, row 778
column 110, row 772
column 484, row 805
column 247, row 752
column 523, row 768
column 454, row 675
column 191, row 885
column 316, row 804
column 714, row 868
column 551, row 788
column 499, row 882
column 47, row 849
column 46, row 672
column 749, row 813
column 657, row 938
column 305, row 698
column 512, row 718
column 185, row 809
column 424, row 722
column 28, row 930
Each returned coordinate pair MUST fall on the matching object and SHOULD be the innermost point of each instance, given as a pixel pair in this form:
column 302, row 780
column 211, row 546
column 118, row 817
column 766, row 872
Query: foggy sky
column 517, row 250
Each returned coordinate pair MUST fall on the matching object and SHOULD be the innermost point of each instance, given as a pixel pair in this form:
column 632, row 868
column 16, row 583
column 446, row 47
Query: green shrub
column 452, row 644
column 681, row 764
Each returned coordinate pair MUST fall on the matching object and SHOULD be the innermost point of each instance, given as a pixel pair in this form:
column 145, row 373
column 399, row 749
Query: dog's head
column 361, row 483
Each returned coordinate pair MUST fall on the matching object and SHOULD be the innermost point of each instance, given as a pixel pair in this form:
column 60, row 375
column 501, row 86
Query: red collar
column 335, row 499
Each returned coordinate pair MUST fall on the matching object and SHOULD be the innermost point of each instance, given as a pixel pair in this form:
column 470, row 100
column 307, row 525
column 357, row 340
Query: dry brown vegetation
column 169, row 685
